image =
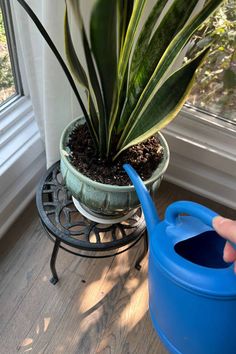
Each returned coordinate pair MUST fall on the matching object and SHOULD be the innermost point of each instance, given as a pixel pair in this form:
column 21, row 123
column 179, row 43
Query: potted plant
column 136, row 82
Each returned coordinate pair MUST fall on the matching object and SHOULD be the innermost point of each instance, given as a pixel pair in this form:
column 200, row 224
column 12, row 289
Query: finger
column 235, row 267
column 225, row 227
column 229, row 253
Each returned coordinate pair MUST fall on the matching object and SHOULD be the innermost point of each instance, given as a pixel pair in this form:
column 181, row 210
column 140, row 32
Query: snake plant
column 135, row 79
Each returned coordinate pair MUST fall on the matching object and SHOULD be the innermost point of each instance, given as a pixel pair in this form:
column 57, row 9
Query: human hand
column 227, row 229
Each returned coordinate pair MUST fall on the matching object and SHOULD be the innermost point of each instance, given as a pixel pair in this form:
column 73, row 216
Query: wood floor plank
column 34, row 303
column 25, row 272
column 140, row 336
column 130, row 329
column 18, row 229
column 49, row 316
column 22, row 250
column 87, row 316
column 69, row 327
column 58, row 306
column 98, row 306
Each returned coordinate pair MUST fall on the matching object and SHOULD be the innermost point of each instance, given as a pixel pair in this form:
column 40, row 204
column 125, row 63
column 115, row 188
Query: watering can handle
column 194, row 209
column 201, row 212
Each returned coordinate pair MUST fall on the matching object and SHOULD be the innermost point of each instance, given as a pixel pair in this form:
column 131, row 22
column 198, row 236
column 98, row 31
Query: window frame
column 13, row 53
column 17, row 120
column 203, row 155
column 22, row 155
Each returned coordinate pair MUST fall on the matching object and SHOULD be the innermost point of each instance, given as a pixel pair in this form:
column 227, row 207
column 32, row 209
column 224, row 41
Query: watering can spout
column 149, row 209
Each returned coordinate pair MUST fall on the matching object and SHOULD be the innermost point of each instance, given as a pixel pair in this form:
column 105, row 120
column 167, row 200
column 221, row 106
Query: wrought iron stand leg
column 145, row 250
column 54, row 278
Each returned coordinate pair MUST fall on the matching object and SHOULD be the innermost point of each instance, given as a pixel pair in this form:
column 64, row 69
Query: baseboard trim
column 203, row 155
column 202, row 179
column 22, row 190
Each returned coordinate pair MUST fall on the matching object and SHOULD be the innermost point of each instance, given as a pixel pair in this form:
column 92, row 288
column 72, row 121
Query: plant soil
column 144, row 157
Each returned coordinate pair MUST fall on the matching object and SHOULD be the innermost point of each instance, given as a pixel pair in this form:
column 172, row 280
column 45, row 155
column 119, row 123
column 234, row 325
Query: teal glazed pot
column 105, row 199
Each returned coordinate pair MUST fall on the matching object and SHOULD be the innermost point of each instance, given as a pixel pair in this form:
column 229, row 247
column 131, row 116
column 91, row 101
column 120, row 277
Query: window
column 202, row 138
column 22, row 159
column 10, row 82
column 215, row 88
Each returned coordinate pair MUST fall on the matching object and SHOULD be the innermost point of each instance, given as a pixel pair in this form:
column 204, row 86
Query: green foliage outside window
column 6, row 78
column 215, row 87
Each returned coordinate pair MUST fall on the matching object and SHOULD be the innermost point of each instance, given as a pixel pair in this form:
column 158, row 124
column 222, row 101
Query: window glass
column 7, row 84
column 215, row 87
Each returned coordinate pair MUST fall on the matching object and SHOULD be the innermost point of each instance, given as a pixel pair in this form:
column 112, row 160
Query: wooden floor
column 98, row 306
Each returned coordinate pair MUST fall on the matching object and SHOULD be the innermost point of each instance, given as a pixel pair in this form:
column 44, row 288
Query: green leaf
column 164, row 106
column 173, row 21
column 79, row 72
column 75, row 65
column 75, row 5
column 167, row 59
column 144, row 38
column 63, row 65
column 103, row 34
column 123, row 62
column 125, row 8
column 129, row 38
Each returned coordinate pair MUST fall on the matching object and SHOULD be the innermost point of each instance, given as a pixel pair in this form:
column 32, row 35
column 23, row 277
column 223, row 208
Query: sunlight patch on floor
column 132, row 284
column 91, row 293
column 90, row 322
column 37, row 329
column 46, row 323
column 26, row 341
column 127, row 318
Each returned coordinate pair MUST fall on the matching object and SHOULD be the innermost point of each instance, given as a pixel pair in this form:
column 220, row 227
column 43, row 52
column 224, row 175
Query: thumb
column 225, row 227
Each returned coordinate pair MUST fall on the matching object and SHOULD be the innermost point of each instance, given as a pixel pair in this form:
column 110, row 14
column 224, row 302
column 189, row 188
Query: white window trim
column 203, row 155
column 22, row 157
column 22, row 160
column 11, row 40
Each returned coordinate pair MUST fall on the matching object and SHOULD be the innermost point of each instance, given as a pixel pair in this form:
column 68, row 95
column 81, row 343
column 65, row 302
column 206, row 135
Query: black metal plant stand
column 71, row 231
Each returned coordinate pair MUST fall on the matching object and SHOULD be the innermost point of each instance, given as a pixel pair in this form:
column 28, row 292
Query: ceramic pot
column 104, row 199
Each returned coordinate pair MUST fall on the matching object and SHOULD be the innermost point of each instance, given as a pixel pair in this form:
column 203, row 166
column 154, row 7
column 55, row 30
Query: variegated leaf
column 164, row 105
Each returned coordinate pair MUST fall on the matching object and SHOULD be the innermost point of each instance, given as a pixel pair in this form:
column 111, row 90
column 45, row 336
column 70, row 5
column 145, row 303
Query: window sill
column 22, row 160
column 203, row 155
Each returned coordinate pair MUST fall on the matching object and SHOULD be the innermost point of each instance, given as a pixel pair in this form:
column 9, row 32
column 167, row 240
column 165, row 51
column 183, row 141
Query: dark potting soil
column 144, row 158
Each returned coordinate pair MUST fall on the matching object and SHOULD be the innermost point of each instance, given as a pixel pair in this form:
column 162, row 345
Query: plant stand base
column 56, row 247
column 99, row 218
column 74, row 233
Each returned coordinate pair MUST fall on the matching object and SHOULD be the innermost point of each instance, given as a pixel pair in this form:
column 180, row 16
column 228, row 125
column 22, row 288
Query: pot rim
column 109, row 187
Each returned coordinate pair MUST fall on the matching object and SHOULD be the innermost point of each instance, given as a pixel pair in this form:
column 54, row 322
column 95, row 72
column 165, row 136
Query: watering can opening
column 205, row 250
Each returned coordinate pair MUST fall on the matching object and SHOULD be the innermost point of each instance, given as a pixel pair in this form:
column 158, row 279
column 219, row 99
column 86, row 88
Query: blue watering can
column 192, row 291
